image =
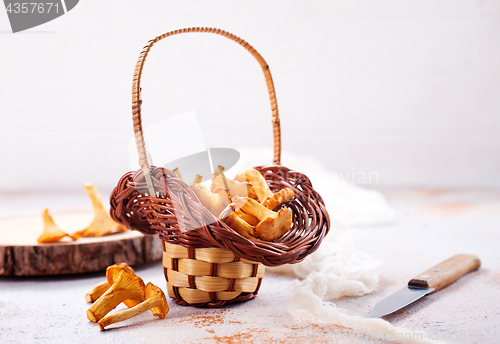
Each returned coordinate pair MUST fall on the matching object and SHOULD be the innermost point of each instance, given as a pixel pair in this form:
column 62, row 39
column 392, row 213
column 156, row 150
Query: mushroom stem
column 251, row 220
column 51, row 232
column 178, row 173
column 272, row 225
column 237, row 223
column 198, row 179
column 123, row 315
column 226, row 187
column 155, row 300
column 259, row 187
column 256, row 209
column 97, row 291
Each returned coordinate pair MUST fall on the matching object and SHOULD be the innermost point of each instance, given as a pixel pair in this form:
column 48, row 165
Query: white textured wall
column 408, row 91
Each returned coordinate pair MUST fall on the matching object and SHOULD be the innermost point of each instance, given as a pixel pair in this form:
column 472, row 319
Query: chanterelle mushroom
column 112, row 273
column 102, row 223
column 125, row 286
column 237, row 223
column 155, row 301
column 234, row 187
column 51, row 232
column 215, row 202
column 178, row 173
column 278, row 198
column 272, row 225
column 261, row 191
column 197, row 179
column 97, row 291
column 251, row 220
column 258, row 187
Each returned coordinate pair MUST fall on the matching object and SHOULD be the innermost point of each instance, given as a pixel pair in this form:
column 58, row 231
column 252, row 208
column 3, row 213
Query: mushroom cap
column 282, row 196
column 112, row 274
column 273, row 227
column 153, row 291
column 215, row 202
column 235, row 187
column 113, row 271
column 259, row 189
column 254, row 208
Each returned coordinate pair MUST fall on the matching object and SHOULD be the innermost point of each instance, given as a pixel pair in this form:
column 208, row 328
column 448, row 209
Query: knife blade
column 426, row 283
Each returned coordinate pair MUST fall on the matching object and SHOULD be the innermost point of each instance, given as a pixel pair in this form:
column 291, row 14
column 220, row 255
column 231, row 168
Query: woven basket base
column 209, row 277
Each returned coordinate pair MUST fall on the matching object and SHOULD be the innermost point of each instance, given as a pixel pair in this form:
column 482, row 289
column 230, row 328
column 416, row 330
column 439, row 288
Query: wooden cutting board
column 22, row 255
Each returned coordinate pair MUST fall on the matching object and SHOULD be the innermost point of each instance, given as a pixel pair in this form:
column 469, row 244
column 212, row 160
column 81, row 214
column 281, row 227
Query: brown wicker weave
column 170, row 205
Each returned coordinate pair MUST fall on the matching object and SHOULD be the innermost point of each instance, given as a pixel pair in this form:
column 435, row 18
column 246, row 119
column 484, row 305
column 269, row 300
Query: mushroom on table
column 102, row 287
column 125, row 286
column 155, row 301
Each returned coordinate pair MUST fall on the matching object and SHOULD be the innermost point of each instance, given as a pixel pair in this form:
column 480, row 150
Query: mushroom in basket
column 253, row 216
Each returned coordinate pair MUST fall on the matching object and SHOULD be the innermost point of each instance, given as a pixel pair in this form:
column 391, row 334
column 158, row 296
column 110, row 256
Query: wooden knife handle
column 447, row 272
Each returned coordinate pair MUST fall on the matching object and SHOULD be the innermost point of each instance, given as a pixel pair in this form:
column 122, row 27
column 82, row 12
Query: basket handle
column 137, row 101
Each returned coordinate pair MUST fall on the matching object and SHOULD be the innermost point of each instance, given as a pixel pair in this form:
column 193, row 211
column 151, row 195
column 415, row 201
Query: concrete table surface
column 432, row 225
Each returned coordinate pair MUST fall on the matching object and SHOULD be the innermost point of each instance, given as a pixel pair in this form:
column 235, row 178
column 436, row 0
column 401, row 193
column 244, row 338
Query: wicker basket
column 213, row 265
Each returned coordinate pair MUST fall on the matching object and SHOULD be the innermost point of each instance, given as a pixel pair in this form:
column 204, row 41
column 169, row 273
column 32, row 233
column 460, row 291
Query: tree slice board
column 22, row 255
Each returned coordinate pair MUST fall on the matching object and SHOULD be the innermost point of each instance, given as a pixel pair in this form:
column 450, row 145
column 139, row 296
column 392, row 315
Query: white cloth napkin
column 337, row 269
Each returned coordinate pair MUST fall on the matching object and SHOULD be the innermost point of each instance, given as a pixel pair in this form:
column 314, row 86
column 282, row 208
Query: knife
column 427, row 282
